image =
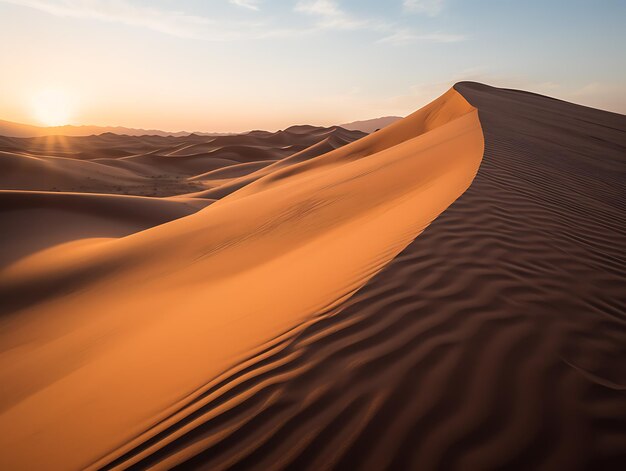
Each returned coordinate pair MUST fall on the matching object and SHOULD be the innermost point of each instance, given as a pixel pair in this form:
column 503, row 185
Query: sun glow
column 52, row 107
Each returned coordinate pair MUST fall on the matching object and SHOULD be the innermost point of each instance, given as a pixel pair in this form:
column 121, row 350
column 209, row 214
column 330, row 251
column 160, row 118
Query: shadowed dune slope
column 496, row 340
column 34, row 221
column 107, row 344
column 26, row 172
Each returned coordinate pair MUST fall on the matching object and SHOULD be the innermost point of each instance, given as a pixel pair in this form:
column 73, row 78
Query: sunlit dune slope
column 102, row 341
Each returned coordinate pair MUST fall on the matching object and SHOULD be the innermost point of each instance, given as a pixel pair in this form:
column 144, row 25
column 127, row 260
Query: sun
column 52, row 107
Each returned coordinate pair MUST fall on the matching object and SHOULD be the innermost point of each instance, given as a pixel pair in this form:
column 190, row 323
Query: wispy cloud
column 330, row 15
column 427, row 7
column 326, row 14
column 249, row 4
column 172, row 22
column 320, row 7
column 175, row 23
column 402, row 36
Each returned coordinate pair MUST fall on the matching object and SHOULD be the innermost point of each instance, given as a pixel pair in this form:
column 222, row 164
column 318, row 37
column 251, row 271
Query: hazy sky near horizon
column 235, row 65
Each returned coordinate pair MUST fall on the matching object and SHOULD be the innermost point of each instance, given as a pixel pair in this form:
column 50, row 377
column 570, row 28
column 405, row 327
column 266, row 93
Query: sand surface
column 323, row 300
column 119, row 328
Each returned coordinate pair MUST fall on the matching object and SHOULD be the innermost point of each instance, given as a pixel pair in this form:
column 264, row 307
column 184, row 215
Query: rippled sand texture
column 496, row 340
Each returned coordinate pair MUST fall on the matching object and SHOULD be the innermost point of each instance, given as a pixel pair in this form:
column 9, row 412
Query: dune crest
column 191, row 298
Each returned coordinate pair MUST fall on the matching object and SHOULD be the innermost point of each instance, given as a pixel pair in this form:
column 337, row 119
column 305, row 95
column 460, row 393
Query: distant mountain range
column 370, row 125
column 11, row 129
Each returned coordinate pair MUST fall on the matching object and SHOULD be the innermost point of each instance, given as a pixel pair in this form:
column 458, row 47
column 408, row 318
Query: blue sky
column 233, row 65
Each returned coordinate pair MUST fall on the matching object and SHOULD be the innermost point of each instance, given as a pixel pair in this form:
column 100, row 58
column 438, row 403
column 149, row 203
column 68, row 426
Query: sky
column 236, row 65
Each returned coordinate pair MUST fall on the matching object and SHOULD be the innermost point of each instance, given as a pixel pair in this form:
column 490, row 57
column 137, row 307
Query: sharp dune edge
column 111, row 338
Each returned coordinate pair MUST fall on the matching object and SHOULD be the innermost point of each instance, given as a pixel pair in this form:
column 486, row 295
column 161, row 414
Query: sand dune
column 211, row 288
column 23, row 171
column 233, row 171
column 227, row 187
column 34, row 221
column 293, row 315
column 495, row 340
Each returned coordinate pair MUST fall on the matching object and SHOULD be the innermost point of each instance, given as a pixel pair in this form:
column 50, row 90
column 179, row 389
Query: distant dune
column 445, row 293
column 157, row 165
column 371, row 125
